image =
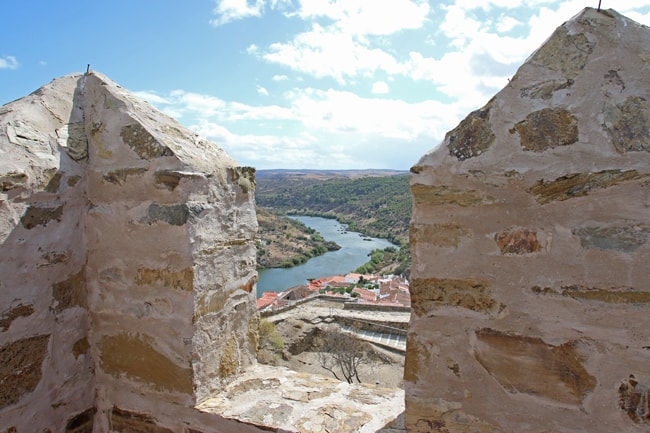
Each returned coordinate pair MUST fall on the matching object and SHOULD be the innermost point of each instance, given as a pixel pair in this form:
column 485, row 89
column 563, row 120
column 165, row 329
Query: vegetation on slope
column 284, row 242
column 375, row 205
column 378, row 206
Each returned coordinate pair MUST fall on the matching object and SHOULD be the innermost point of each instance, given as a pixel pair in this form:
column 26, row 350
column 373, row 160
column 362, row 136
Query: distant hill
column 285, row 242
column 376, row 203
column 326, row 174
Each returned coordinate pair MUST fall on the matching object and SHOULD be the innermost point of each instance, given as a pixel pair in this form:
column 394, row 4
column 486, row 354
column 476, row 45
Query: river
column 353, row 253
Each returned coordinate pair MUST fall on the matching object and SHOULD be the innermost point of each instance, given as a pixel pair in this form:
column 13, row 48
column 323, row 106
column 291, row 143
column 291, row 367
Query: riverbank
column 286, row 242
column 352, row 254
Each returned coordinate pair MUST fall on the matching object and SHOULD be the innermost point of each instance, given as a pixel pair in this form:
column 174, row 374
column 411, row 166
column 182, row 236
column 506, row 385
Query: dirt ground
column 383, row 367
column 384, row 374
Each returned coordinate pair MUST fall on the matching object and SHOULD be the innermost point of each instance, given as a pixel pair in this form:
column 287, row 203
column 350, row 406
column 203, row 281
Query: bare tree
column 342, row 353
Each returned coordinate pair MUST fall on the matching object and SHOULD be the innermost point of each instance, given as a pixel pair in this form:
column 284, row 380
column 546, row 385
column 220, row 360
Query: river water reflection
column 353, row 253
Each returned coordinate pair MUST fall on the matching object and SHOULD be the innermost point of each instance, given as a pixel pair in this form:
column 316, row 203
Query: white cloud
column 262, row 91
column 280, row 78
column 233, row 10
column 152, row 97
column 316, row 128
column 367, row 17
column 326, row 52
column 506, row 23
column 193, row 102
column 8, row 62
column 345, row 112
column 380, row 88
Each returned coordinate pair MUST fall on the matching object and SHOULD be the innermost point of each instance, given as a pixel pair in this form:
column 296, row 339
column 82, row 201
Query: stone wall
column 530, row 282
column 128, row 265
column 46, row 370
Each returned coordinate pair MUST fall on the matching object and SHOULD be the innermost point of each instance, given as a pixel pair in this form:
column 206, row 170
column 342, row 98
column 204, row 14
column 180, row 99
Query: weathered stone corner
column 530, row 241
column 472, row 136
column 116, row 222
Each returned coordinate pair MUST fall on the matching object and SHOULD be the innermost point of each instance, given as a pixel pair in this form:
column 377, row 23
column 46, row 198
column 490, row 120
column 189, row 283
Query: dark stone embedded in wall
column 613, row 295
column 11, row 314
column 170, row 179
column 472, row 136
column 623, row 239
column 119, row 176
column 441, row 195
column 132, row 422
column 474, row 295
column 229, row 362
column 634, row 399
column 70, row 292
column 524, row 364
column 20, row 368
column 613, row 84
column 546, row 129
column 143, row 143
column 82, row 422
column 175, row 215
column 73, row 180
column 76, row 140
column 517, row 241
column 167, row 179
column 580, row 184
column 136, row 357
column 180, row 280
column 52, row 258
column 418, row 355
column 40, row 216
column 441, row 235
column 628, row 124
column 12, row 180
column 54, row 183
column 565, row 53
column 80, row 347
column 545, row 89
column 244, row 177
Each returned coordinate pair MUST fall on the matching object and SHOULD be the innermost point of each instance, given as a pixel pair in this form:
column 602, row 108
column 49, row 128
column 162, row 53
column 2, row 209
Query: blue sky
column 321, row 84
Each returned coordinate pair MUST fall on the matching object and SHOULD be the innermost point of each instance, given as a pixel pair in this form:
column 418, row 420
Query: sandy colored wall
column 128, row 265
column 45, row 366
column 530, row 281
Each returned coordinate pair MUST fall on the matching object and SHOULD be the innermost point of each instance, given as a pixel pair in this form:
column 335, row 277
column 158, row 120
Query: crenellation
column 530, row 283
column 108, row 242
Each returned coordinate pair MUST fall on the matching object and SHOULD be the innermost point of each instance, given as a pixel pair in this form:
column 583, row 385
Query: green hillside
column 377, row 204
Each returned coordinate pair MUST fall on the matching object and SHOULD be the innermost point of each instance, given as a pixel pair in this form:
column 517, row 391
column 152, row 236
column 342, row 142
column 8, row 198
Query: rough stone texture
column 546, row 129
column 116, row 225
column 518, row 241
column 8, row 316
column 634, row 399
column 523, row 364
column 81, row 423
column 20, row 368
column 123, row 420
column 628, row 123
column 291, row 401
column 44, row 308
column 530, row 285
column 473, row 136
